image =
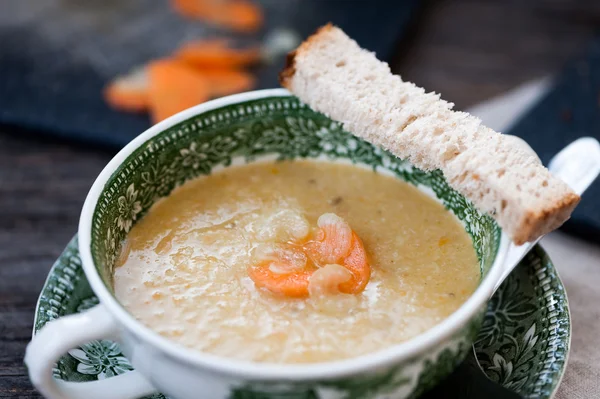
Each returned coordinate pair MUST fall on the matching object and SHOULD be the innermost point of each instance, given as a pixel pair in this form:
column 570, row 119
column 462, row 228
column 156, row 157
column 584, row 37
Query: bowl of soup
column 250, row 247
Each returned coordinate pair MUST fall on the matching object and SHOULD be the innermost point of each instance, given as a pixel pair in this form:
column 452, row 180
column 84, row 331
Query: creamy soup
column 222, row 264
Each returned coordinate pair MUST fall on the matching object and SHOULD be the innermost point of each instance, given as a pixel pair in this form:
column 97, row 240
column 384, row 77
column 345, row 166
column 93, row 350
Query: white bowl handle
column 578, row 165
column 65, row 333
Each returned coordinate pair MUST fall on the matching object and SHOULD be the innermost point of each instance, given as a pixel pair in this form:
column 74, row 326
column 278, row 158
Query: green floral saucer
column 523, row 344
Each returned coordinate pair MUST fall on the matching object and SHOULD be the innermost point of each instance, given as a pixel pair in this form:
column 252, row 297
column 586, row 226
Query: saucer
column 523, row 344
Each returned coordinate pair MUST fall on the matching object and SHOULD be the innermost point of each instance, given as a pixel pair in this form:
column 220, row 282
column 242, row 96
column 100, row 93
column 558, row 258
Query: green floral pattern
column 100, row 358
column 128, row 208
column 525, row 334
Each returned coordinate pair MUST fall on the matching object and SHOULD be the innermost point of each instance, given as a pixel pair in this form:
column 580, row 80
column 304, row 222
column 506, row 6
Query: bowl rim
column 254, row 370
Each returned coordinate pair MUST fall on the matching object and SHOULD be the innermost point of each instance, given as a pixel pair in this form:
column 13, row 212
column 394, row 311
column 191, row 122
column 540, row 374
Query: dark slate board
column 569, row 111
column 57, row 55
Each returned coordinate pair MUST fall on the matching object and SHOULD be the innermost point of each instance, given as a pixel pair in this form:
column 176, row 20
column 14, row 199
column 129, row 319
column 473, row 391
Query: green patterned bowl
column 267, row 124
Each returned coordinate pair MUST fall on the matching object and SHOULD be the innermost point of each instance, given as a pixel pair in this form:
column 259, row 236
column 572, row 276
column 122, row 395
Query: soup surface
column 184, row 269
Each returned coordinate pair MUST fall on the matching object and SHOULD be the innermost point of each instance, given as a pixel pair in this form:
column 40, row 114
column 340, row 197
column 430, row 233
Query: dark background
column 466, row 49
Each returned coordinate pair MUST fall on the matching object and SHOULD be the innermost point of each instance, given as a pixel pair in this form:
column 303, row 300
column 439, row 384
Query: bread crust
column 529, row 217
column 541, row 222
column 289, row 69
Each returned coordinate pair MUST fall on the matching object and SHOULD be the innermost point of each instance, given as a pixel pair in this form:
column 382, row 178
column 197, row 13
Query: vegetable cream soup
column 295, row 262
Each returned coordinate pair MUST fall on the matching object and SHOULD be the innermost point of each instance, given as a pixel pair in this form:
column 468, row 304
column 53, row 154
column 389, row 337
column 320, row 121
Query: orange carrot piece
column 132, row 92
column 223, row 82
column 217, row 54
column 174, row 87
column 239, row 15
column 188, row 8
column 293, row 285
column 128, row 92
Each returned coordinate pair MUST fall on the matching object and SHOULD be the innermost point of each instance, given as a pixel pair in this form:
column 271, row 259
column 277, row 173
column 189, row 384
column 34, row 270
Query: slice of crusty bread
column 333, row 75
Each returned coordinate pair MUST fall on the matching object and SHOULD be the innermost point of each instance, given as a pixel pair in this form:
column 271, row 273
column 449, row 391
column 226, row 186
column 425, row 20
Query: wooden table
column 468, row 50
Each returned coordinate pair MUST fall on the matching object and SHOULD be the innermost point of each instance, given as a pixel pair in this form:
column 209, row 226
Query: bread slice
column 333, row 75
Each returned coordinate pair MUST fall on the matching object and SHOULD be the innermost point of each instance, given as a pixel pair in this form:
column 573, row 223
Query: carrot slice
column 239, row 15
column 174, row 87
column 223, row 82
column 131, row 92
column 181, row 84
column 217, row 54
column 128, row 92
column 188, row 8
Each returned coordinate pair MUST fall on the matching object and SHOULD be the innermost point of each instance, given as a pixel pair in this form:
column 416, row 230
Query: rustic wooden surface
column 467, row 50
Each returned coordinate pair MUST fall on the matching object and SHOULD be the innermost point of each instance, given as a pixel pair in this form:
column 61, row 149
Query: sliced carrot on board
column 174, row 87
column 129, row 92
column 188, row 8
column 223, row 82
column 217, row 54
column 239, row 15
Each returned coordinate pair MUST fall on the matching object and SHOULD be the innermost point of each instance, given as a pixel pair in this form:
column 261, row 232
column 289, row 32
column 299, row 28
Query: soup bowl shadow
column 244, row 128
